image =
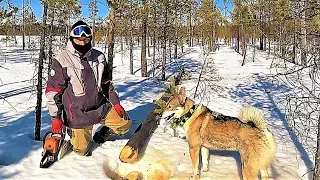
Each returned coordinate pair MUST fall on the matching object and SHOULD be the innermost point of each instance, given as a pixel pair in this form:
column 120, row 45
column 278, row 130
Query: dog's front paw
column 196, row 177
column 205, row 168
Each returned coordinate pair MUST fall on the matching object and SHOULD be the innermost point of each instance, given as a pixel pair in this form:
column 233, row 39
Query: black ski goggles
column 80, row 31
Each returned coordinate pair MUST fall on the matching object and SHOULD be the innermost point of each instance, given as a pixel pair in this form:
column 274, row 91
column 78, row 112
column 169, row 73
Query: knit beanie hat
column 78, row 23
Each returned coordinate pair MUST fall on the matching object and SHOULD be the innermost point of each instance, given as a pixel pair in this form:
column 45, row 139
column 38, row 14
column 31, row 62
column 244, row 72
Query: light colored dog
column 206, row 130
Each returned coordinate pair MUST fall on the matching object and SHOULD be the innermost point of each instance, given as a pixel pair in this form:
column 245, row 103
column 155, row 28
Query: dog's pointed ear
column 182, row 95
column 182, row 91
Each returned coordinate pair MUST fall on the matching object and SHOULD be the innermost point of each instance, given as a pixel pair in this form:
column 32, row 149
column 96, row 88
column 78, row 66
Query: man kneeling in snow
column 80, row 94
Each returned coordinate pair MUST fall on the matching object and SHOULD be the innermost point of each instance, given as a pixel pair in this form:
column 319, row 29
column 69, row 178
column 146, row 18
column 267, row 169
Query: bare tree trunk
column 121, row 41
column 126, row 38
column 191, row 36
column 170, row 49
column 137, row 143
column 148, row 42
column 111, row 25
column 190, row 25
column 106, row 43
column 266, row 38
column 67, row 30
column 181, row 39
column 213, row 45
column 154, row 44
column 261, row 28
column 269, row 38
column 154, row 53
column 243, row 45
column 269, row 45
column 202, row 38
column 14, row 29
column 131, row 53
column 181, row 46
column 23, row 31
column 213, row 38
column 261, row 42
column 303, row 35
column 294, row 43
column 93, row 16
column 131, row 40
column 238, row 40
column 244, row 53
column 7, row 37
column 281, row 40
column 164, row 59
column 50, row 52
column 144, row 70
column 316, row 172
column 265, row 43
column 164, row 47
column 254, row 46
column 176, row 44
column 37, row 128
column 29, row 39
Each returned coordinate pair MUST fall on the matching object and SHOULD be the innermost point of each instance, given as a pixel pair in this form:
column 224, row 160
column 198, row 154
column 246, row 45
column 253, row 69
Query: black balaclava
column 81, row 49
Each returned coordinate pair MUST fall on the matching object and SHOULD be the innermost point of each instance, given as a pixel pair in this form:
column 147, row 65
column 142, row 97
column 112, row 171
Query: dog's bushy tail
column 255, row 115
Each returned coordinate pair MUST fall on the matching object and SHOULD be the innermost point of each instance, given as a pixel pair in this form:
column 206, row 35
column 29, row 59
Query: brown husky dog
column 206, row 130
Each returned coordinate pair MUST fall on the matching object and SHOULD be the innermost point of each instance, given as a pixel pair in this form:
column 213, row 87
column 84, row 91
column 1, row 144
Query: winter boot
column 103, row 135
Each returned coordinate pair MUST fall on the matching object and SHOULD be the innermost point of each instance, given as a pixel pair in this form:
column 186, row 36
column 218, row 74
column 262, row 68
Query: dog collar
column 183, row 119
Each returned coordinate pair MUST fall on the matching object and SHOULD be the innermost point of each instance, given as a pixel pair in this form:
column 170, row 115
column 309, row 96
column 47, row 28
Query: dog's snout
column 166, row 114
column 169, row 117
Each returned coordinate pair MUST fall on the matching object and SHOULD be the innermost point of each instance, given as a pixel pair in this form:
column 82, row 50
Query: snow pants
column 80, row 138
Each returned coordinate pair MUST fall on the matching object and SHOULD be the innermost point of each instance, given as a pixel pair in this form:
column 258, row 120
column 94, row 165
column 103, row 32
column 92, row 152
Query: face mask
column 82, row 49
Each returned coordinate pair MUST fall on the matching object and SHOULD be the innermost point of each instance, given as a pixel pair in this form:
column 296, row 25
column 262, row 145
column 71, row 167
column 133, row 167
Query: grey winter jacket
column 74, row 88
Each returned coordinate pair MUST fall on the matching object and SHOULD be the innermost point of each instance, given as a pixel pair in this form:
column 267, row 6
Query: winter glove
column 119, row 125
column 57, row 126
column 120, row 110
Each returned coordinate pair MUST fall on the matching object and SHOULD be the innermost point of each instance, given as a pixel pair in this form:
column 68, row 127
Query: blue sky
column 37, row 7
column 102, row 9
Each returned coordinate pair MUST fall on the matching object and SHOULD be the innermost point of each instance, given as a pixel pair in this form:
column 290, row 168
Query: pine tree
column 111, row 32
column 92, row 16
column 38, row 113
column 144, row 64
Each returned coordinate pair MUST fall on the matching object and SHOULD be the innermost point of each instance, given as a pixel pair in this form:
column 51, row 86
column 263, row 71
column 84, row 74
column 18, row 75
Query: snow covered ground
column 230, row 87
